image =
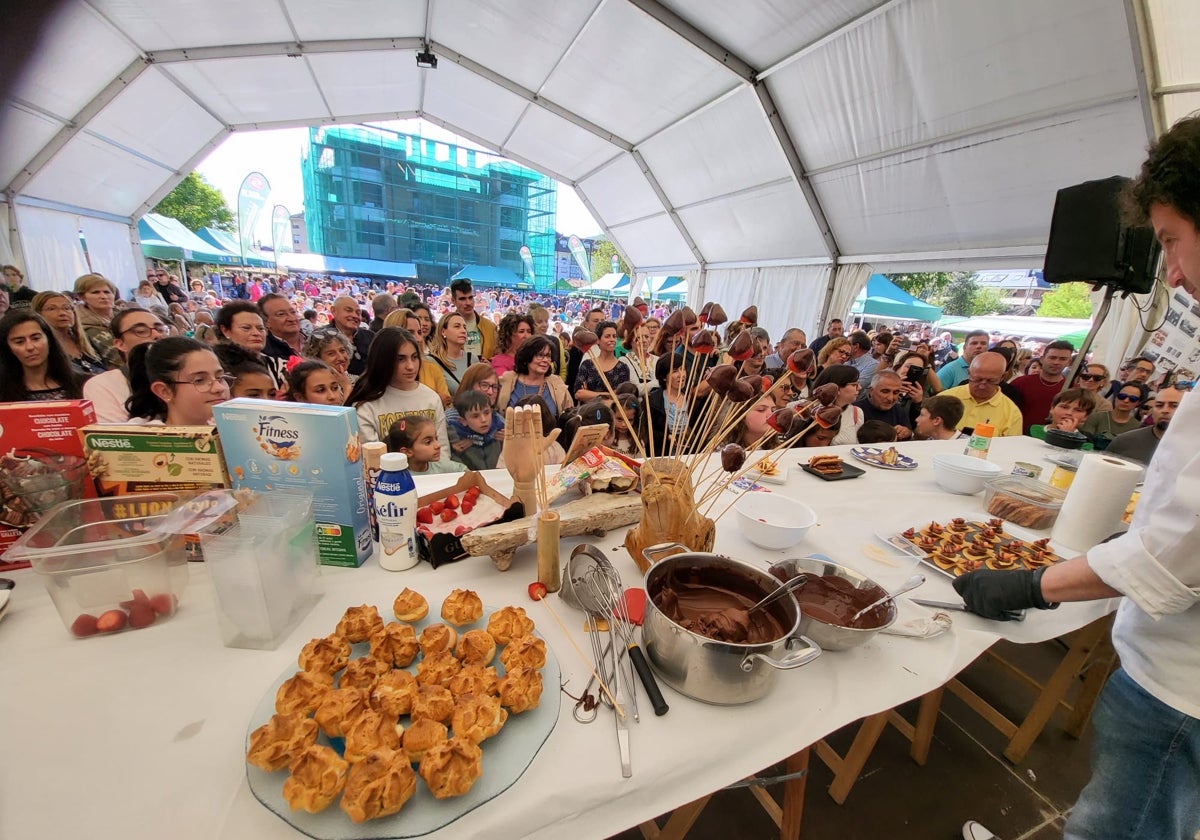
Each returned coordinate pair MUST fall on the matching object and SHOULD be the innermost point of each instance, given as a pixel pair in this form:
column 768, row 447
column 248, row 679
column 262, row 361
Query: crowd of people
column 431, row 370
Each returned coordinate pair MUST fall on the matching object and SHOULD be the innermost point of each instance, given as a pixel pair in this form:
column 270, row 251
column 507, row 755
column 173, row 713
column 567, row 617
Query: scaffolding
column 379, row 194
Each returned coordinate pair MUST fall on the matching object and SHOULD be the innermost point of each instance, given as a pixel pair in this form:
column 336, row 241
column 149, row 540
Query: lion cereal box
column 270, row 444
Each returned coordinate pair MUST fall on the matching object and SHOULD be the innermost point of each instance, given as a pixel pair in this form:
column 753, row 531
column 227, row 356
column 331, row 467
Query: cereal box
column 270, row 444
column 128, row 459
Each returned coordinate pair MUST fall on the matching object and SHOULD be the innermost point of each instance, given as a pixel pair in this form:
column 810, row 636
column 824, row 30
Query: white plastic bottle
column 396, row 513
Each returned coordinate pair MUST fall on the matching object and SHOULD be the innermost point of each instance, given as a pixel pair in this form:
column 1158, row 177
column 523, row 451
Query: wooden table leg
column 793, row 796
column 927, row 714
column 846, row 770
column 678, row 824
column 1103, row 663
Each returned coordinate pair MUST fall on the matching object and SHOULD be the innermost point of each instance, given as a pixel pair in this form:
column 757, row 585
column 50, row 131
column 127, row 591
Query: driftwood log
column 592, row 515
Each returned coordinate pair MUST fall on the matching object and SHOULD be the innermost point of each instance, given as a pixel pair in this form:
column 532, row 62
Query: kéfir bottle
column 396, row 513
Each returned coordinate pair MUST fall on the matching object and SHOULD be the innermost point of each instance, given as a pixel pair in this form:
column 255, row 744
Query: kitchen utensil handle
column 648, row 681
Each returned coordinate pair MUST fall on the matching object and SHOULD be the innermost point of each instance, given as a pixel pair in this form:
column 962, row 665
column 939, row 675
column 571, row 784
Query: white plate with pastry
column 499, row 760
column 769, row 471
column 885, row 459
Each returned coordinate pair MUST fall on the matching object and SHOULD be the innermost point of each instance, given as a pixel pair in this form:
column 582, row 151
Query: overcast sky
column 276, row 154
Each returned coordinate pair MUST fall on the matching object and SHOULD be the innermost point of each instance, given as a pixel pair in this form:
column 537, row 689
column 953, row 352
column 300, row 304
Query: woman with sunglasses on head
column 1121, row 416
column 61, row 314
column 175, row 382
column 1094, row 377
column 108, row 391
column 32, row 365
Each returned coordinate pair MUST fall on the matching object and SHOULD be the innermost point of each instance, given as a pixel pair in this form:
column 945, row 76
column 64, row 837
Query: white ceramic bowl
column 771, row 520
column 963, row 474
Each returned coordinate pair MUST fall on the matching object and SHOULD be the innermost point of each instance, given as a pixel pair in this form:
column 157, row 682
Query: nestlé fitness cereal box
column 269, row 444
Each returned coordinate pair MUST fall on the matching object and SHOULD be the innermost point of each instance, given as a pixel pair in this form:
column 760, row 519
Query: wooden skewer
column 567, row 633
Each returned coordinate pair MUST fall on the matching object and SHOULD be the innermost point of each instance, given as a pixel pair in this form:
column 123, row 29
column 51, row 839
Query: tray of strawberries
column 443, row 517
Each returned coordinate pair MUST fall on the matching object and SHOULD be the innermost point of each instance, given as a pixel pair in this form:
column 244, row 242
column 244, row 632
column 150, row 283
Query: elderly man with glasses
column 982, row 399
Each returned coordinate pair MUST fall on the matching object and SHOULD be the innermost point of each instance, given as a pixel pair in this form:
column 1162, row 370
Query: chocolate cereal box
column 269, row 444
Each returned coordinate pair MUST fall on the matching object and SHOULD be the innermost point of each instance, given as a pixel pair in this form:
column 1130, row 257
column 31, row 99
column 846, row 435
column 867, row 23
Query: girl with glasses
column 63, row 317
column 32, row 365
column 175, row 382
column 479, row 377
column 108, row 391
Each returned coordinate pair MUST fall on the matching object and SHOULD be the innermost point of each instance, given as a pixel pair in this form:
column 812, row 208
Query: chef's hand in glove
column 999, row 595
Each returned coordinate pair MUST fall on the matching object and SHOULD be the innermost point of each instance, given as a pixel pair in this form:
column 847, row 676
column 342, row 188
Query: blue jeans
column 1145, row 782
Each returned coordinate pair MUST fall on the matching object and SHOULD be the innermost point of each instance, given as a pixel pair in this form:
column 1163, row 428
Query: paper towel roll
column 1096, row 501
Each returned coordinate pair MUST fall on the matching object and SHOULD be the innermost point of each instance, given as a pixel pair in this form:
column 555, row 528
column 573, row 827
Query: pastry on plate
column 477, row 717
column 363, row 673
column 318, row 776
column 410, row 606
column 825, row 464
column 339, row 707
column 378, row 786
column 521, row 689
column 422, row 734
column 527, row 650
column 462, row 607
column 302, row 692
column 433, row 702
column 371, row 730
column 437, row 668
column 475, row 647
column 394, row 692
column 277, row 742
column 395, row 643
column 328, row 655
column 509, row 623
column 359, row 623
column 474, row 679
column 437, row 637
column 451, row 767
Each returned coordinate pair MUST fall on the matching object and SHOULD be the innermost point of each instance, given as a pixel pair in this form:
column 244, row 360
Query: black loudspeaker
column 1089, row 242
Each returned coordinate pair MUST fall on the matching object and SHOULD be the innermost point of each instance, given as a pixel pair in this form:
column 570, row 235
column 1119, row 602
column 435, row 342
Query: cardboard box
column 441, row 548
column 128, row 459
column 269, row 444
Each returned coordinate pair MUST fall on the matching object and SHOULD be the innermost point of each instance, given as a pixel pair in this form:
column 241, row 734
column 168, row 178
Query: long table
column 143, row 734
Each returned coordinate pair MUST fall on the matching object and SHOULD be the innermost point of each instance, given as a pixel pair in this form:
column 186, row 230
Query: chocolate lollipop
column 717, row 316
column 674, row 323
column 689, row 316
column 704, row 310
column 742, row 390
column 720, row 378
column 733, row 456
column 704, row 342
column 802, row 362
column 826, row 394
column 631, row 320
column 640, row 306
column 799, row 423
column 742, row 347
column 584, row 339
column 828, row 417
column 781, row 420
column 756, row 382
column 749, row 316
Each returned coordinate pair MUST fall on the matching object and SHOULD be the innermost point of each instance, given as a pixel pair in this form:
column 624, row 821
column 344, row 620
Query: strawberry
column 460, row 530
column 163, row 603
column 451, row 502
column 467, row 505
column 84, row 625
column 449, row 515
column 425, row 516
column 437, row 508
column 537, row 590
column 111, row 621
column 472, row 493
column 141, row 615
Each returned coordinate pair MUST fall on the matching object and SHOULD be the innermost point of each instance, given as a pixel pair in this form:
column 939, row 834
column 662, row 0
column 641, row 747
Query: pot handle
column 794, row 659
column 651, row 553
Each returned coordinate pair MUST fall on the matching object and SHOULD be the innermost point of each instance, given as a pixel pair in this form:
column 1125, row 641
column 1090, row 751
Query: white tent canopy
column 746, row 145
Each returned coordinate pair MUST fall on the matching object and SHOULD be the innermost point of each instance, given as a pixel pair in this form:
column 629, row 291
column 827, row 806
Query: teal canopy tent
column 164, row 238
column 492, row 275
column 883, row 298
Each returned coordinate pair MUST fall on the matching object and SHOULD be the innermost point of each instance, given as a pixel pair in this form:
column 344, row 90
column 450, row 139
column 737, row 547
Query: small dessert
column 909, row 533
column 363, row 673
column 929, row 543
column 462, row 607
column 956, row 540
column 521, row 689
column 474, row 679
column 378, row 786
column 509, row 623
column 302, row 692
column 975, row 554
column 410, row 606
column 733, row 456
column 339, row 707
column 438, row 668
column 317, row 776
column 529, row 651
column 395, row 643
column 370, row 731
column 451, row 767
column 477, row 717
column 437, row 637
column 826, row 464
column 889, row 457
column 394, row 692
column 476, row 647
column 359, row 623
column 996, row 524
column 433, row 702
column 328, row 655
column 934, row 529
column 944, row 560
column 958, row 525
column 422, row 734
column 277, row 742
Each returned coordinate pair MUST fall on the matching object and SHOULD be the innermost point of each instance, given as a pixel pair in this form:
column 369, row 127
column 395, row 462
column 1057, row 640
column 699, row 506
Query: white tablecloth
column 142, row 734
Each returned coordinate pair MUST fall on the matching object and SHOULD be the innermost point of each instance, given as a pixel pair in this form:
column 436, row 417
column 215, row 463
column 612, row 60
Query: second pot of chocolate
column 698, row 638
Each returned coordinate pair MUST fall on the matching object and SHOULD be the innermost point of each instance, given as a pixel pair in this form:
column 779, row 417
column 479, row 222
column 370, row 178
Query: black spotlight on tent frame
column 1090, row 243
column 426, row 60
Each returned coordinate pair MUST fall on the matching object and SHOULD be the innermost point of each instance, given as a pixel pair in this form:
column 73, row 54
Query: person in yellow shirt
column 981, row 397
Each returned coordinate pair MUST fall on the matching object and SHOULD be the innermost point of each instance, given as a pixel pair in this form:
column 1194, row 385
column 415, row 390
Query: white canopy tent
column 766, row 149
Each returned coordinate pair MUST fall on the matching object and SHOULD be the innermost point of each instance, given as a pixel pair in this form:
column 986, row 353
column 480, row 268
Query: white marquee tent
column 774, row 150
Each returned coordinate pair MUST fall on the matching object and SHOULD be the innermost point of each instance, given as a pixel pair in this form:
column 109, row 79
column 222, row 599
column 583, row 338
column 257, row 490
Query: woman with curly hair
column 513, row 331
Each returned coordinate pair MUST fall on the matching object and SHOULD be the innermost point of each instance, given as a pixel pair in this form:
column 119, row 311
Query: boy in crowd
column 939, row 418
column 480, row 425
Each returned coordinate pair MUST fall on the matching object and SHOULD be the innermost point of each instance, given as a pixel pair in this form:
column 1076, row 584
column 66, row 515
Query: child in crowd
column 622, row 436
column 820, row 436
column 417, row 438
column 251, row 379
column 477, row 423
column 876, row 431
column 313, row 381
column 1070, row 409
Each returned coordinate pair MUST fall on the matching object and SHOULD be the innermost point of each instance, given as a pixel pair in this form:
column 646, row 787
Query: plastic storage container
column 109, row 564
column 1023, row 501
column 262, row 560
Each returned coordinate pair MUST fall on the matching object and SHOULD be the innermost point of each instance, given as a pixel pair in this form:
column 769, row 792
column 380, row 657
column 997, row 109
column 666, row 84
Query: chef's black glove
column 1000, row 594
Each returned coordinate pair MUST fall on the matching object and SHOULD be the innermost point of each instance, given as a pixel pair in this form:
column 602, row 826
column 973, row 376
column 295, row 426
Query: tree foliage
column 602, row 259
column 197, row 204
column 957, row 292
column 1070, row 300
column 926, row 286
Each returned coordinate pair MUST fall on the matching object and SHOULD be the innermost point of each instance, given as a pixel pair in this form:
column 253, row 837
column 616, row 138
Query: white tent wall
column 786, row 296
column 7, row 255
column 50, row 244
column 113, row 251
column 848, row 281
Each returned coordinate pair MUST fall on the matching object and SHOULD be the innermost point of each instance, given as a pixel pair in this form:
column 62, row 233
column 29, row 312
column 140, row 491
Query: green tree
column 602, row 259
column 197, row 204
column 927, row 286
column 1070, row 300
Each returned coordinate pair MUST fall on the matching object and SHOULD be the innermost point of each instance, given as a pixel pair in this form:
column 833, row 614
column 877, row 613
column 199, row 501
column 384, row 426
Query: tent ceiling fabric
column 699, row 134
